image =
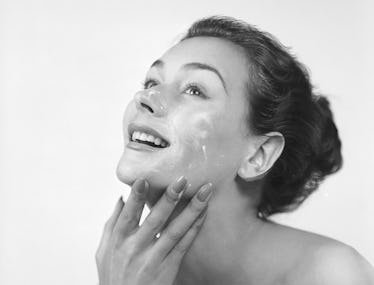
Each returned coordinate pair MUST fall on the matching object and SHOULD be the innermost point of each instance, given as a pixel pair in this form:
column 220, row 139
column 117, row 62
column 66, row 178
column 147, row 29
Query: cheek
column 203, row 151
column 208, row 147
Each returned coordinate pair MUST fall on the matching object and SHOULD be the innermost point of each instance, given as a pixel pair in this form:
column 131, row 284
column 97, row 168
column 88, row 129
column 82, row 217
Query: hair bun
column 328, row 154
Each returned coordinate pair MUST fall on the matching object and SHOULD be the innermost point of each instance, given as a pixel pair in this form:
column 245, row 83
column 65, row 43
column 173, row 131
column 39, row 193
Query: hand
column 130, row 254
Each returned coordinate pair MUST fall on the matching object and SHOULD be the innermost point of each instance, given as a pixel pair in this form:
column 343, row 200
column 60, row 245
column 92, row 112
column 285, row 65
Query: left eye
column 194, row 90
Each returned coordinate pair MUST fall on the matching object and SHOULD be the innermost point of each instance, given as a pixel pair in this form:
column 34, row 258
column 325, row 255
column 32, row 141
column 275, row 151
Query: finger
column 182, row 223
column 176, row 254
column 161, row 211
column 130, row 215
column 109, row 225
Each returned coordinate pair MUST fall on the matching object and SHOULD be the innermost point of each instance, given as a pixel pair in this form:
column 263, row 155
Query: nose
column 149, row 101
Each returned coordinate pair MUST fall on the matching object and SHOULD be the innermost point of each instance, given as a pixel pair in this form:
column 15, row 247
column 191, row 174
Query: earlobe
column 257, row 163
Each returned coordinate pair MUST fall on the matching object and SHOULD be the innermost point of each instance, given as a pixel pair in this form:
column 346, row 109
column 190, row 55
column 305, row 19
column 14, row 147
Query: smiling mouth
column 146, row 136
column 148, row 139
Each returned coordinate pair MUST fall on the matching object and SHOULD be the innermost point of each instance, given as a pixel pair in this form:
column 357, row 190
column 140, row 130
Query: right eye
column 149, row 83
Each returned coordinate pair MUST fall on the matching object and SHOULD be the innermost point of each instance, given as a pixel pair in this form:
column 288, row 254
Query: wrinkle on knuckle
column 171, row 197
column 196, row 206
column 198, row 226
column 126, row 216
column 181, row 249
column 173, row 236
column 139, row 198
column 153, row 223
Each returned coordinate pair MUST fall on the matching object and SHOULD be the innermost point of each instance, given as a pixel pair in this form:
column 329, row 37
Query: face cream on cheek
column 193, row 144
column 217, row 152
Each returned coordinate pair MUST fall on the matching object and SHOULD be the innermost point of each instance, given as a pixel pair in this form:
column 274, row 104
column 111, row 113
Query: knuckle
column 182, row 249
column 131, row 242
column 129, row 248
column 137, row 197
column 126, row 216
column 116, row 231
column 196, row 227
column 115, row 243
column 171, row 196
column 124, row 219
column 196, row 206
column 173, row 236
column 153, row 223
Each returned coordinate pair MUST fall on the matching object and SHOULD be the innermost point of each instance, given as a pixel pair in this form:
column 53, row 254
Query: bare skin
column 133, row 254
column 189, row 252
column 210, row 143
column 236, row 247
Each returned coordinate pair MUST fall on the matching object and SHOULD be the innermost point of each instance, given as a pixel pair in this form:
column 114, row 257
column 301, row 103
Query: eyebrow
column 194, row 65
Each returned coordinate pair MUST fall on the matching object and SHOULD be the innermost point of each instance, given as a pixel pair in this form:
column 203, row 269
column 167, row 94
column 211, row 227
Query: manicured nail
column 180, row 184
column 205, row 192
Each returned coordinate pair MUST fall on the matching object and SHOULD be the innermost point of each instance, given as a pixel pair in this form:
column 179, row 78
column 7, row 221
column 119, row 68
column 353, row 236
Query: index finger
column 178, row 228
column 109, row 225
column 131, row 212
column 159, row 214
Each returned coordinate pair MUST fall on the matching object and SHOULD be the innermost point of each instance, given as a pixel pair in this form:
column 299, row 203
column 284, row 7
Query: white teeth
column 157, row 141
column 147, row 137
column 136, row 135
column 133, row 136
column 143, row 137
column 150, row 138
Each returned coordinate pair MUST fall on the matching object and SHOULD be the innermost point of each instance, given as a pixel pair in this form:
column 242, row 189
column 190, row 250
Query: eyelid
column 149, row 80
column 186, row 85
column 197, row 86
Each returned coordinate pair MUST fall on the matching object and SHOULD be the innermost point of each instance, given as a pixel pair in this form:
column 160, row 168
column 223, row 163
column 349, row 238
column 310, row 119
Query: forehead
column 228, row 58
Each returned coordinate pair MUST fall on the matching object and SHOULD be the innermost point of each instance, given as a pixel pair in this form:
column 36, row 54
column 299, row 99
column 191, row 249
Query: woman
column 227, row 117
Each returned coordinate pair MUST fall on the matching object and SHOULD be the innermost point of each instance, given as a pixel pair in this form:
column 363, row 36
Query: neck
column 217, row 255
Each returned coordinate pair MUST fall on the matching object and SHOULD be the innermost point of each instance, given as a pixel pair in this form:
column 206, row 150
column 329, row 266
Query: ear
column 260, row 159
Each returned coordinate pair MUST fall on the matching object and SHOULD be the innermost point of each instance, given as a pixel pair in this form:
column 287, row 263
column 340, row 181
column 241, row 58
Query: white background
column 68, row 70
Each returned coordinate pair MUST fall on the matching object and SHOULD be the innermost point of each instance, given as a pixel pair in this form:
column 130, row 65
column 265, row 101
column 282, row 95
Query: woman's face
column 194, row 100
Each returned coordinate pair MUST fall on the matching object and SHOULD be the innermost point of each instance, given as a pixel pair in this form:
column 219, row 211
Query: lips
column 146, row 137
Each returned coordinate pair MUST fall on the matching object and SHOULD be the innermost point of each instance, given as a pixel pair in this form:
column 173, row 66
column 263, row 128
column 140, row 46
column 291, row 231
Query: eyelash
column 147, row 82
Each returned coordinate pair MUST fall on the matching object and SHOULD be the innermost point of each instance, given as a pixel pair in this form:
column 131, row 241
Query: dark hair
column 281, row 99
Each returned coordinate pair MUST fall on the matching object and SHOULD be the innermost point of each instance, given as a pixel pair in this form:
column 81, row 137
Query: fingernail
column 205, row 192
column 180, row 184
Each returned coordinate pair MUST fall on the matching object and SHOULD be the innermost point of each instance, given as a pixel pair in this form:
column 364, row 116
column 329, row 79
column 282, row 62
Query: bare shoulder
column 331, row 262
column 309, row 258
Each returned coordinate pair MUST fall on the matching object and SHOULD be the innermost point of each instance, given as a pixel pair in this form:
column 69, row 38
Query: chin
column 160, row 178
column 128, row 174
